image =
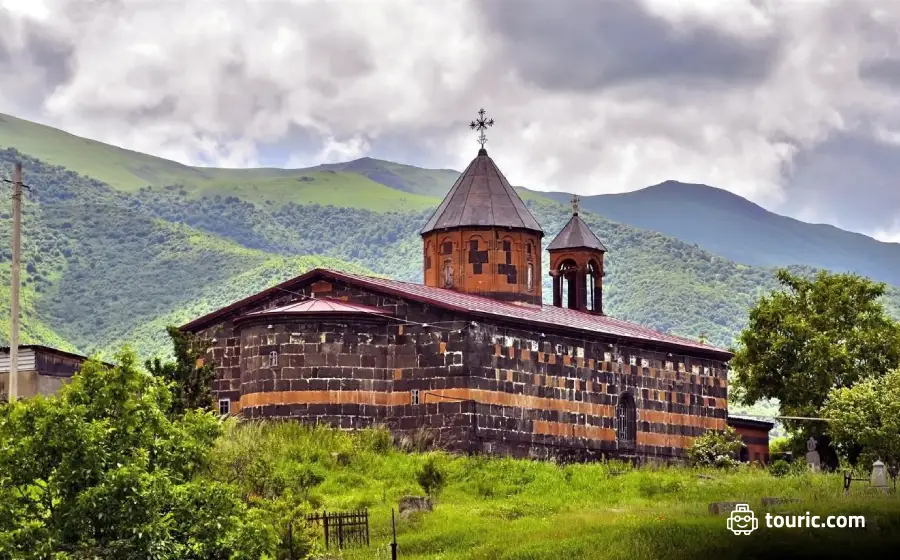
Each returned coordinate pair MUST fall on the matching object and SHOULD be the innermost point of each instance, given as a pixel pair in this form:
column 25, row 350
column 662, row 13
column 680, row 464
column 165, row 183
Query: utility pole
column 14, row 289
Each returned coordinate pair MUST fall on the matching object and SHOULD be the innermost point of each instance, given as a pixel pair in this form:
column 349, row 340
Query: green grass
column 122, row 169
column 494, row 508
column 341, row 189
column 128, row 171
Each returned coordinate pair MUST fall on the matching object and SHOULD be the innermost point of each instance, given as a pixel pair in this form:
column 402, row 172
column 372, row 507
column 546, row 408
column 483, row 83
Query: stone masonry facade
column 477, row 384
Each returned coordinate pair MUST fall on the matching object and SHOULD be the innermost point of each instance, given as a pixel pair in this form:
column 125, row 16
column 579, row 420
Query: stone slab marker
column 812, row 456
column 879, row 477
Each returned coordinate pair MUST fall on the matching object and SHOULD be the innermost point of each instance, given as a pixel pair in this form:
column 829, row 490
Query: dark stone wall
column 354, row 373
column 557, row 395
column 483, row 386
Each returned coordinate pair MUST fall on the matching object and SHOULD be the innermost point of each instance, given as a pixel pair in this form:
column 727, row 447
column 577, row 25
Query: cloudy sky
column 790, row 103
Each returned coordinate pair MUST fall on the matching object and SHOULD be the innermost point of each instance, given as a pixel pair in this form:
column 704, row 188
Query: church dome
column 482, row 197
column 482, row 239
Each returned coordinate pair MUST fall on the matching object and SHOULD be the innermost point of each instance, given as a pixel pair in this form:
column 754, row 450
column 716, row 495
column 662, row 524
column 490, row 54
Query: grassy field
column 335, row 188
column 128, row 171
column 493, row 508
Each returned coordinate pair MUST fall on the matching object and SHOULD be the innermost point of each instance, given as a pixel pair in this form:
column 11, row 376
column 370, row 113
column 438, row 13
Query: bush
column 780, row 468
column 716, row 449
column 431, row 477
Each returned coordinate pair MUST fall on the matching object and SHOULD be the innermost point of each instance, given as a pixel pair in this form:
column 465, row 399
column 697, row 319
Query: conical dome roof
column 576, row 235
column 482, row 197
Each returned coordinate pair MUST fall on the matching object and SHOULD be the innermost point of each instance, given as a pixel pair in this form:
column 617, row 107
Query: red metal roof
column 548, row 316
column 536, row 314
column 318, row 306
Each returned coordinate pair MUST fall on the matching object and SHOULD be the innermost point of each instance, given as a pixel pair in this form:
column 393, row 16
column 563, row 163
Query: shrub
column 716, row 449
column 431, row 477
column 780, row 468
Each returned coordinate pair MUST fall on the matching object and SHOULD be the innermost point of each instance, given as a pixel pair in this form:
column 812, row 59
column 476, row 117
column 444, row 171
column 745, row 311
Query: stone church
column 472, row 355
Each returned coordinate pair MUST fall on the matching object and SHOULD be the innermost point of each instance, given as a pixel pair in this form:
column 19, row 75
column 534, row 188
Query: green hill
column 97, row 265
column 129, row 171
column 737, row 229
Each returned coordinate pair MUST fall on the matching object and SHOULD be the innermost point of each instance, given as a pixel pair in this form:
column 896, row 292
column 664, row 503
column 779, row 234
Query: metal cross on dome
column 480, row 125
column 575, row 201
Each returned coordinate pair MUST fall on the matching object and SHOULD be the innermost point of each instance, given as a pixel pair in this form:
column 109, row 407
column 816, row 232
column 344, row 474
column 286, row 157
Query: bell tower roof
column 482, row 197
column 576, row 234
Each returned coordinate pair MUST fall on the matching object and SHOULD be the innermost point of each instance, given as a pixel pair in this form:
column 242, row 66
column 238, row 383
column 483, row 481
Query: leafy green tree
column 102, row 472
column 190, row 379
column 813, row 336
column 868, row 415
column 716, row 448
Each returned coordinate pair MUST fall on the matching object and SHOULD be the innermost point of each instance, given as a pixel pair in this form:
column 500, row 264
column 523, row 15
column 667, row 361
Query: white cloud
column 890, row 234
column 586, row 99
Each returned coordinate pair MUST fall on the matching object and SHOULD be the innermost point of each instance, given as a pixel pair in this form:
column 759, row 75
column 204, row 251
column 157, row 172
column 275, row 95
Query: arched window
column 273, row 359
column 529, row 276
column 448, row 273
column 626, row 420
column 590, row 280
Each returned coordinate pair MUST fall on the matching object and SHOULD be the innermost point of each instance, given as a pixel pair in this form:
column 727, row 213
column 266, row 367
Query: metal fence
column 343, row 529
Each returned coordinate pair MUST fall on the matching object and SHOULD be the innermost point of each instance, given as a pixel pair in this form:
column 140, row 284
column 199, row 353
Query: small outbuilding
column 755, row 434
column 42, row 370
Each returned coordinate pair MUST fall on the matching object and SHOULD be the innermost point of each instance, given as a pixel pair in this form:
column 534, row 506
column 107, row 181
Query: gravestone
column 879, row 477
column 812, row 456
column 412, row 504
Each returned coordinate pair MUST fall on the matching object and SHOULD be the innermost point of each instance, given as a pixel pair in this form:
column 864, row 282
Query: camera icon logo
column 742, row 521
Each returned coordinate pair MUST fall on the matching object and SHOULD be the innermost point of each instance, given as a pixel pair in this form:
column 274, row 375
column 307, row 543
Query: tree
column 101, row 471
column 868, row 415
column 190, row 378
column 716, row 449
column 813, row 336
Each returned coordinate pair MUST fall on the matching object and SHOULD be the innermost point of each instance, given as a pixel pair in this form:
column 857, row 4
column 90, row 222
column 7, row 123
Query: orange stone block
column 443, row 347
column 398, row 374
column 526, row 355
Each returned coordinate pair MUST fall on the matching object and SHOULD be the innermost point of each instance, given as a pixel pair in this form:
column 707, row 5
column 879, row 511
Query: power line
column 811, row 418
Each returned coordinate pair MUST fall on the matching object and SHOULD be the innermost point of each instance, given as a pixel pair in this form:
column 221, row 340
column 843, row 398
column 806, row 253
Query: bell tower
column 482, row 239
column 576, row 265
